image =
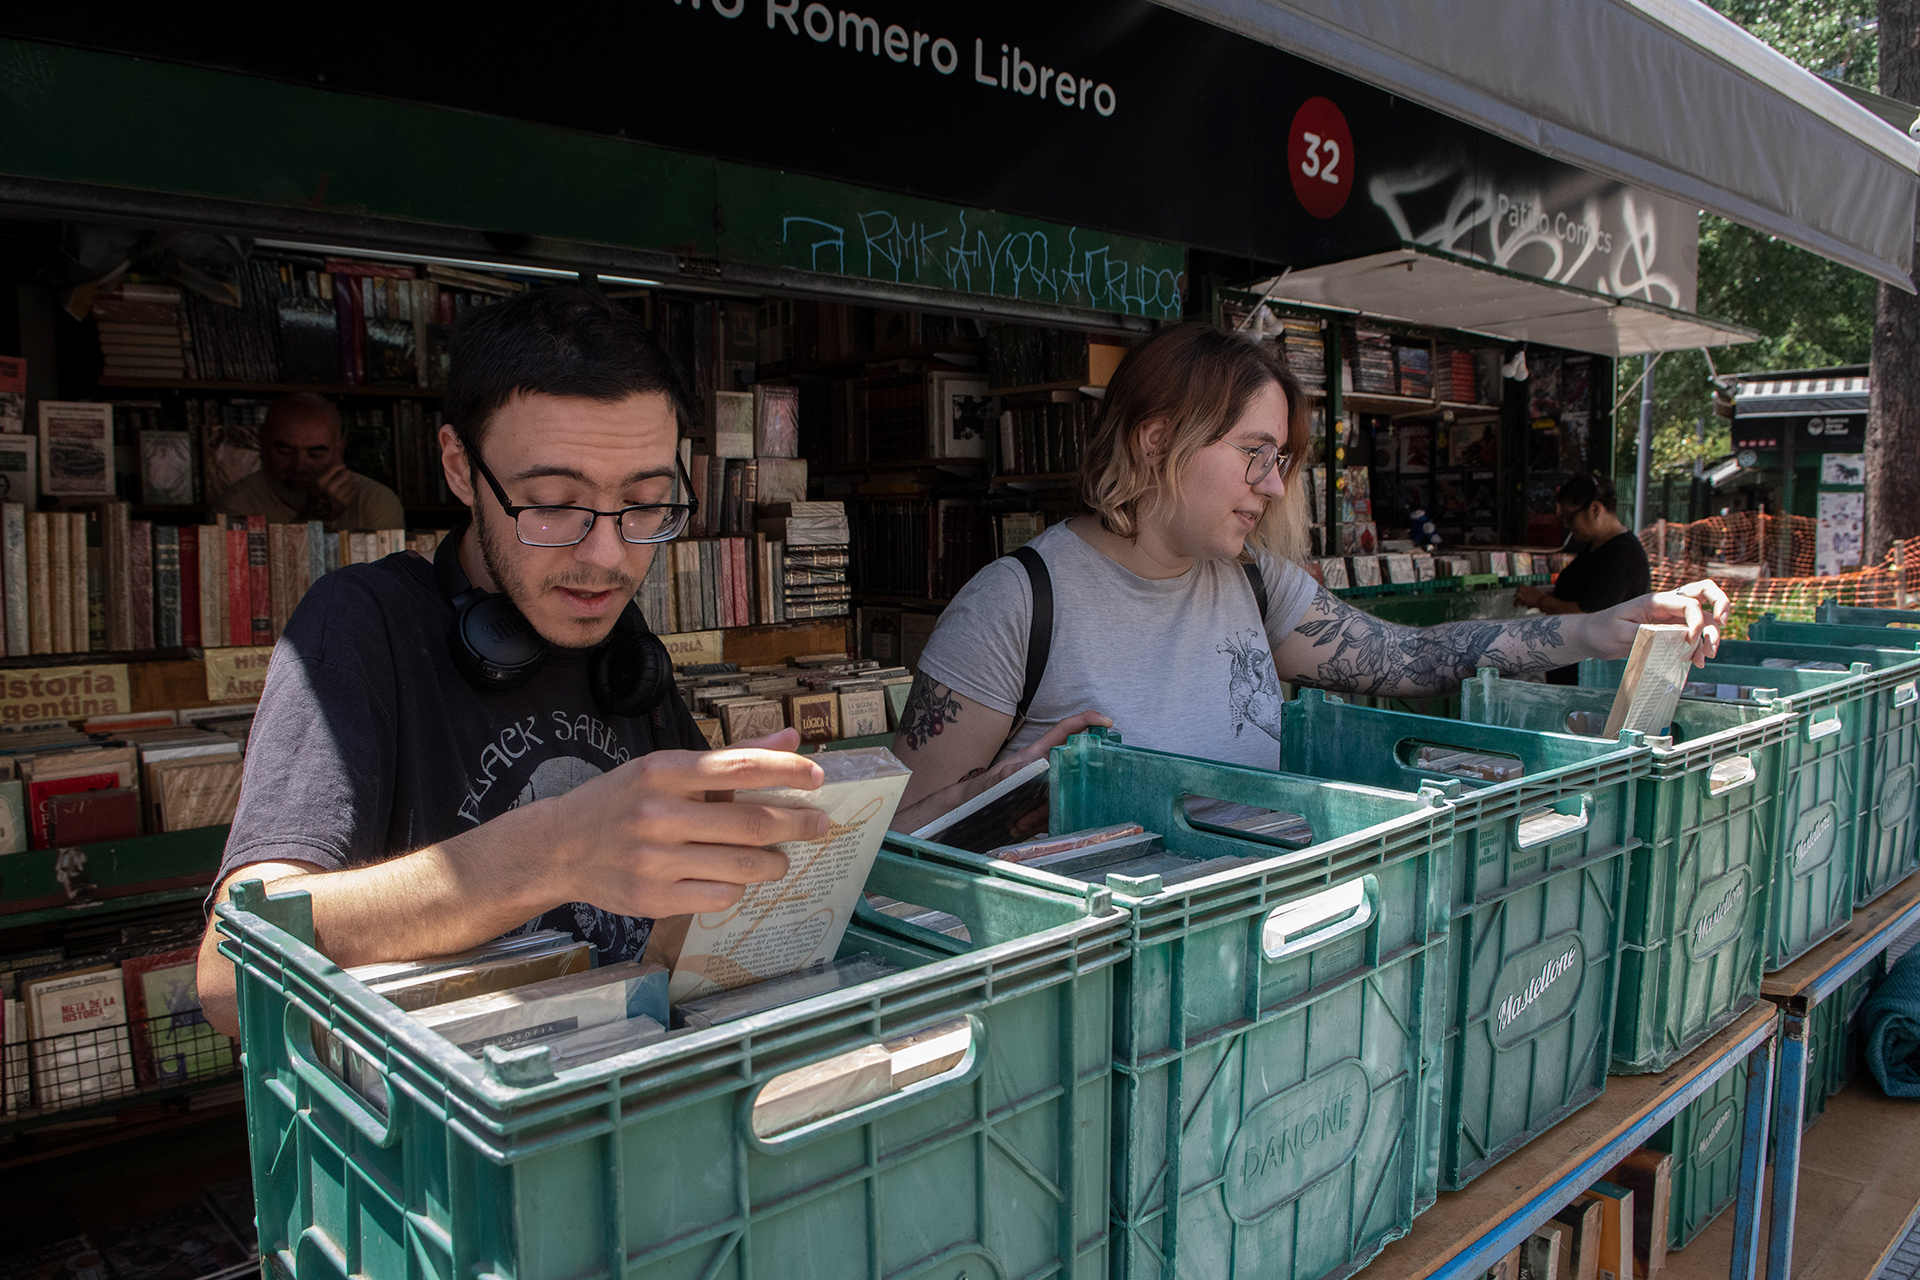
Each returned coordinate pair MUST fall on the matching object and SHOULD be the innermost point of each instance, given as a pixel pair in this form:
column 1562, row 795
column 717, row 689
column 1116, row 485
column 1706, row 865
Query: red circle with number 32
column 1320, row 157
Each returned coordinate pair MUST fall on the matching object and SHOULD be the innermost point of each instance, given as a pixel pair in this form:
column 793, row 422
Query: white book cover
column 780, row 925
column 79, row 1024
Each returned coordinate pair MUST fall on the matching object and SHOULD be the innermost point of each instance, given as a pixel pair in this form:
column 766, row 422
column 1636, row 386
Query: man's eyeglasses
column 1261, row 461
column 641, row 523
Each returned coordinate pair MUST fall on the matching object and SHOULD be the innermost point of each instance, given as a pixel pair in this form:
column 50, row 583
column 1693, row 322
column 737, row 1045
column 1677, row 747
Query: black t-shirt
column 369, row 744
column 1612, row 573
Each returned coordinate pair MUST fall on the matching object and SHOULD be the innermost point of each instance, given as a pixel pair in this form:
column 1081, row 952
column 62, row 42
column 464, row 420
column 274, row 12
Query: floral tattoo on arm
column 930, row 708
column 1355, row 652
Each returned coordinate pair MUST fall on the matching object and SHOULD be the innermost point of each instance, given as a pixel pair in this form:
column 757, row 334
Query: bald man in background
column 303, row 473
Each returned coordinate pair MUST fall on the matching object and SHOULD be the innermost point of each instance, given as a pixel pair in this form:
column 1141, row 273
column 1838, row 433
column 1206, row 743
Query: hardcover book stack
column 1414, row 369
column 121, row 775
column 1371, row 361
column 143, row 332
column 828, row 697
column 1023, row 356
column 812, row 565
column 918, row 546
column 1306, row 351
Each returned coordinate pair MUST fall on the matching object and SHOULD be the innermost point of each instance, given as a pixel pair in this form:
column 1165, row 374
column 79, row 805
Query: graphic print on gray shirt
column 368, row 744
column 1181, row 664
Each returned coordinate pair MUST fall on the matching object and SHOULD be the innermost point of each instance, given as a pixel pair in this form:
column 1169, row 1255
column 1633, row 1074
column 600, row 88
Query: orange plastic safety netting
column 1734, row 548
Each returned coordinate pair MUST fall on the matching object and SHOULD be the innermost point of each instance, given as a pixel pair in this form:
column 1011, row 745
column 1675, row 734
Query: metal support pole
column 1753, row 1164
column 1645, row 463
column 1786, row 1151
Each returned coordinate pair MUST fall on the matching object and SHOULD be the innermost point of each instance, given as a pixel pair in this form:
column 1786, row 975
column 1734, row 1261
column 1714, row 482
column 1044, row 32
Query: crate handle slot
column 1318, row 919
column 1818, row 729
column 1731, row 774
column 1545, row 824
column 298, row 1030
column 1472, row 764
column 853, row 1086
column 1905, row 693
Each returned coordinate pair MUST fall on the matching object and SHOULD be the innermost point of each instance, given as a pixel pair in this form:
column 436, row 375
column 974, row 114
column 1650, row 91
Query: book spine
column 39, row 582
column 119, row 577
column 259, row 581
column 13, row 573
column 316, row 551
column 61, row 542
column 737, row 558
column 239, row 587
column 88, row 580
column 140, row 569
column 190, row 629
column 213, row 585
column 279, row 575
column 166, row 587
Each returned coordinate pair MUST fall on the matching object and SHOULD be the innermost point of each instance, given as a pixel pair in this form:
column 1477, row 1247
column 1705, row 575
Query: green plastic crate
column 646, row 1165
column 1519, row 892
column 1817, row 787
column 1693, row 948
column 1833, row 1043
column 1704, row 1141
column 1269, row 1101
column 1887, row 834
column 1863, row 616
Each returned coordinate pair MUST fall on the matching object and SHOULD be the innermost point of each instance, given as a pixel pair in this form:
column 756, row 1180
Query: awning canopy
column 1773, row 397
column 1424, row 286
column 1664, row 94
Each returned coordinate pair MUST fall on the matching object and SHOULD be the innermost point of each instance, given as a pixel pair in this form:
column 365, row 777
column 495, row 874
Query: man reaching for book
column 429, row 805
column 303, row 473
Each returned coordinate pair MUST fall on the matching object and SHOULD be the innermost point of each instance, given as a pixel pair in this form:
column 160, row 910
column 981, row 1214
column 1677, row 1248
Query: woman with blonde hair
column 1177, row 607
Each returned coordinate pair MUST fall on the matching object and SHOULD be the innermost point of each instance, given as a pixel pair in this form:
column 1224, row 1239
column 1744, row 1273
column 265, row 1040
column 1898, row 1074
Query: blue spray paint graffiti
column 1066, row 266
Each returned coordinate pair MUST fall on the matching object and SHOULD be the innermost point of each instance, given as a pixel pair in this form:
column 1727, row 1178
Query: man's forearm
column 1356, row 652
column 434, row 901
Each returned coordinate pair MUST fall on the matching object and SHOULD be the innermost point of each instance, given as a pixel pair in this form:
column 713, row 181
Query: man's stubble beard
column 507, row 578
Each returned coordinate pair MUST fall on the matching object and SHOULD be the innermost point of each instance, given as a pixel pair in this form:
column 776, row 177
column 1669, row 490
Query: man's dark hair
column 1582, row 492
column 559, row 341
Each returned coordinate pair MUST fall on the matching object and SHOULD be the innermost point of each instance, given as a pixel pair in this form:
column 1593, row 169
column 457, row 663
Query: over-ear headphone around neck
column 496, row 649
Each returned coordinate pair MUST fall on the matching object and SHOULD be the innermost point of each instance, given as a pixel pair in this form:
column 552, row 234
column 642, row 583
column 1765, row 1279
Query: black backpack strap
column 1258, row 581
column 1039, row 631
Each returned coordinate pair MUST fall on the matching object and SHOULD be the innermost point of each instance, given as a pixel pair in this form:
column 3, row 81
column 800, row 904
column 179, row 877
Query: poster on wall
column 1842, row 517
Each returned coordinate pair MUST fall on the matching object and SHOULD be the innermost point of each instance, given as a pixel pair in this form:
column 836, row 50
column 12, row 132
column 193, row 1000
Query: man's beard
column 513, row 586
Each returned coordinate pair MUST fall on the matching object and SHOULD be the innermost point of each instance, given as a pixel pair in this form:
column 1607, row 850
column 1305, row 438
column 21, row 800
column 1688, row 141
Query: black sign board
column 1123, row 116
column 1810, row 433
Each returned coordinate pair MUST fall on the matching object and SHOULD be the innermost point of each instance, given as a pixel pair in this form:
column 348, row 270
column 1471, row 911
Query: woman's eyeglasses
column 1261, row 461
column 641, row 523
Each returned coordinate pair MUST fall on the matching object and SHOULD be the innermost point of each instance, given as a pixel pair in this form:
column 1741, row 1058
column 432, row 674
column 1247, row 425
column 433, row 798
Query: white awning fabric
column 1424, row 286
column 1664, row 94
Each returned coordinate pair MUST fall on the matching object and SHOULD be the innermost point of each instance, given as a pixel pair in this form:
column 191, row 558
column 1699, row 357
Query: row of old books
column 1047, row 438
column 1401, row 567
column 96, row 580
column 920, row 546
column 732, row 492
column 301, row 320
column 827, row 697
column 1021, row 355
column 699, row 584
column 84, row 1024
column 120, row 775
column 791, row 332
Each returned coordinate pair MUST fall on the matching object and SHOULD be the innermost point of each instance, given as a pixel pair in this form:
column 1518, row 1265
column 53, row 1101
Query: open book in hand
column 780, row 925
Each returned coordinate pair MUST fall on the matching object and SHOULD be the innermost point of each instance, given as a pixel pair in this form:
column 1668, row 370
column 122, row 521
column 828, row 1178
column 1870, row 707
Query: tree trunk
column 1893, row 419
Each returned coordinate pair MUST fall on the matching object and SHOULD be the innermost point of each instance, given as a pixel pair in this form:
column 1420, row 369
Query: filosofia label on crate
column 237, row 675
column 1813, row 839
column 1537, row 988
column 1294, row 1139
column 63, row 693
column 1719, row 914
column 1716, row 1132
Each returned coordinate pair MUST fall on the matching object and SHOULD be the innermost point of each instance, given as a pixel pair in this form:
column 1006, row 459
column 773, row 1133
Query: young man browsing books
column 549, row 779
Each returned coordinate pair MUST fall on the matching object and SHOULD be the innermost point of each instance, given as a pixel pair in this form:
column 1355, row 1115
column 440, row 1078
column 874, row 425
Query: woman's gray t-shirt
column 1181, row 664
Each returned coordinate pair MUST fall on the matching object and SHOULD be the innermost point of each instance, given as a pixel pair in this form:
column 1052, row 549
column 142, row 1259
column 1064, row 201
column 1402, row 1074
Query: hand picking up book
column 780, row 943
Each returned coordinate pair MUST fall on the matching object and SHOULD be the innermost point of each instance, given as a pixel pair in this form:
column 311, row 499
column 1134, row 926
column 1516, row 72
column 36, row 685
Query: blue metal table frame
column 1798, row 989
column 1640, row 1106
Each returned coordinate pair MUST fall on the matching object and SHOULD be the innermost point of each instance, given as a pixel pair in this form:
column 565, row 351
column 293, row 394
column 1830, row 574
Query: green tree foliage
column 1809, row 311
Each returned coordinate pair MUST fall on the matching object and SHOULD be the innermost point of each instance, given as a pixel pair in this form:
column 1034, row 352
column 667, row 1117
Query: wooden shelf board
column 99, row 657
column 104, row 906
column 395, row 392
column 1859, row 1190
column 1048, row 480
column 925, row 351
column 42, row 1146
column 916, row 464
column 1461, row 1218
column 1867, row 922
column 935, row 602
